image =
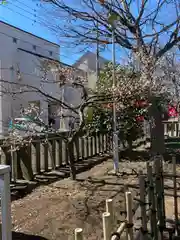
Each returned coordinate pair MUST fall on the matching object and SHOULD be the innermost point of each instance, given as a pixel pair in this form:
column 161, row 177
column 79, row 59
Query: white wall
column 73, row 97
column 87, row 63
column 87, row 66
column 12, row 59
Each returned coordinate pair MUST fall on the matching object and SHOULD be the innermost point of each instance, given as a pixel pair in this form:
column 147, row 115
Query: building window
column 14, row 40
column 50, row 53
column 34, row 47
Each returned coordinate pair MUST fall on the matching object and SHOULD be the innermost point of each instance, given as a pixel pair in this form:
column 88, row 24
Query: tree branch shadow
column 21, row 188
column 94, row 186
column 135, row 155
column 23, row 236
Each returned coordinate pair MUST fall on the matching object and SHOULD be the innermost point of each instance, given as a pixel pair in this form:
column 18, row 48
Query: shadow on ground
column 135, row 155
column 74, row 203
column 21, row 188
column 23, row 236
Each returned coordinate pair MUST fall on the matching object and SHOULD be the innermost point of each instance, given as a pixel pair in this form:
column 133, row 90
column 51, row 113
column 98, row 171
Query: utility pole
column 115, row 135
column 97, row 52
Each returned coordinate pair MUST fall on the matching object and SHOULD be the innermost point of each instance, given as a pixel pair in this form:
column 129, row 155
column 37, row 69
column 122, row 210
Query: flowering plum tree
column 133, row 102
column 140, row 27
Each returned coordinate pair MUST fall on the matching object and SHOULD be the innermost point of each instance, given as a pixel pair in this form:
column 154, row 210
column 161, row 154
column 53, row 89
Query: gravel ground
column 53, row 212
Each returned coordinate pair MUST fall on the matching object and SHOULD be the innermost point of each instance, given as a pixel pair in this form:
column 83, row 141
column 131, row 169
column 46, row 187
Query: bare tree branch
column 136, row 32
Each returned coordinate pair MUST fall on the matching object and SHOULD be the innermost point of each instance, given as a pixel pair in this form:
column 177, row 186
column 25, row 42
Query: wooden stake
column 109, row 208
column 152, row 204
column 159, row 196
column 106, row 226
column 126, row 189
column 175, row 193
column 162, row 192
column 129, row 209
column 149, row 176
column 143, row 204
column 78, row 234
column 120, row 230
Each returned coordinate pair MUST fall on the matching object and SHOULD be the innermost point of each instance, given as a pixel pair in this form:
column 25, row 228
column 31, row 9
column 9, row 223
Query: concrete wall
column 74, row 98
column 87, row 63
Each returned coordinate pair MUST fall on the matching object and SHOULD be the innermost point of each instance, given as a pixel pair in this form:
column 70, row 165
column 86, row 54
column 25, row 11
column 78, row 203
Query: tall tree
column 131, row 93
column 140, row 26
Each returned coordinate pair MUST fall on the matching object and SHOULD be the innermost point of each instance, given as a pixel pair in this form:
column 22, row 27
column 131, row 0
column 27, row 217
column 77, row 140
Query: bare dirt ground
column 53, row 212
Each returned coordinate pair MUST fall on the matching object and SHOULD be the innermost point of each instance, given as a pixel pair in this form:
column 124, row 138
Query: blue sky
column 33, row 16
column 28, row 15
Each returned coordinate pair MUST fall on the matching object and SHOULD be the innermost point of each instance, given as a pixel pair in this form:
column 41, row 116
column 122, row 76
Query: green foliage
column 130, row 128
column 100, row 120
column 89, row 114
column 124, row 76
column 128, row 94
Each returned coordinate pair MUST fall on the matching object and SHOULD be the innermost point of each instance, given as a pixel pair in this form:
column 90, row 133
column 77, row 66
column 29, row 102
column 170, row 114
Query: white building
column 20, row 56
column 72, row 95
column 87, row 63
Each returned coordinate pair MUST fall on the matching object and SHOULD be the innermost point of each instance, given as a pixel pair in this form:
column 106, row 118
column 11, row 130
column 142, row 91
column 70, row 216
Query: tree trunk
column 157, row 131
column 156, row 125
column 130, row 145
column 71, row 160
column 25, row 164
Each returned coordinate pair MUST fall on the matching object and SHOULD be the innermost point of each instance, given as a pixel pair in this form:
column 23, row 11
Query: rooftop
column 28, row 32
